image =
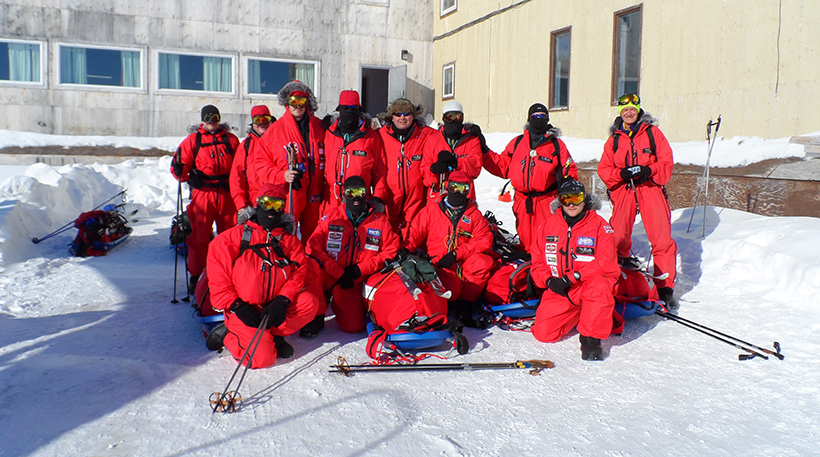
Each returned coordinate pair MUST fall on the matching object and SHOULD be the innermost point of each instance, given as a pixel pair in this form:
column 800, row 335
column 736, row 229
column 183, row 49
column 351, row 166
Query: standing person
column 203, row 160
column 297, row 134
column 259, row 269
column 351, row 243
column 352, row 148
column 404, row 137
column 535, row 163
column 462, row 148
column 635, row 166
column 244, row 184
column 573, row 258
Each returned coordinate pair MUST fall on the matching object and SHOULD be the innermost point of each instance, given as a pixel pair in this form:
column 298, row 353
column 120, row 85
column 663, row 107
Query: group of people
column 307, row 209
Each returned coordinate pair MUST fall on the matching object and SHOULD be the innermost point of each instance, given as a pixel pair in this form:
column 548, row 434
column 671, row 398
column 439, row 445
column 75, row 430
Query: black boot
column 313, row 328
column 591, row 348
column 192, row 285
column 667, row 294
column 283, row 349
column 216, row 336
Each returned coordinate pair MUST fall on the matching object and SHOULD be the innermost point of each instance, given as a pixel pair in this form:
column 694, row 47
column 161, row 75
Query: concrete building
column 755, row 62
column 145, row 68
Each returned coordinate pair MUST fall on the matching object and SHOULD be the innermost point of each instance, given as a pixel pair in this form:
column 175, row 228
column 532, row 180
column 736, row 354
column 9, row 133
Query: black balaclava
column 453, row 129
column 355, row 206
column 457, row 199
column 269, row 219
column 538, row 127
column 349, row 119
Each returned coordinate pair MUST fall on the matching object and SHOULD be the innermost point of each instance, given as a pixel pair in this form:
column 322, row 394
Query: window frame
column 156, row 73
column 616, row 38
column 142, row 87
column 554, row 35
column 246, row 79
column 450, row 9
column 43, row 65
column 452, row 94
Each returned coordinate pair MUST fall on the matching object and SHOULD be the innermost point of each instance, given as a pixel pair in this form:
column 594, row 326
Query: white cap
column 452, row 105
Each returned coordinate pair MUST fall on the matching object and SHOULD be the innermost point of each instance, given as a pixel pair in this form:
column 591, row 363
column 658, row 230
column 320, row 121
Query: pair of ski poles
column 229, row 401
column 705, row 175
column 178, row 220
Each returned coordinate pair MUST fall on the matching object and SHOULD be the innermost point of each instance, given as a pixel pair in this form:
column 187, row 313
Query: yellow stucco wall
column 756, row 62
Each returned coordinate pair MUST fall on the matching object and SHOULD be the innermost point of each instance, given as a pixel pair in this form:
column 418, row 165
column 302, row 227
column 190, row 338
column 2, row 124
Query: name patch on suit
column 359, row 153
column 336, row 228
column 545, row 159
column 584, row 250
column 416, row 158
column 372, row 243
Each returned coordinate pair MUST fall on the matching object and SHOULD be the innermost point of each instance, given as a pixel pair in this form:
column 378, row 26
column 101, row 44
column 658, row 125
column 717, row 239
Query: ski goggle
column 538, row 116
column 453, row 116
column 571, row 199
column 458, row 187
column 407, row 114
column 262, row 119
column 271, row 203
column 355, row 192
column 208, row 118
column 297, row 101
column 629, row 99
column 348, row 106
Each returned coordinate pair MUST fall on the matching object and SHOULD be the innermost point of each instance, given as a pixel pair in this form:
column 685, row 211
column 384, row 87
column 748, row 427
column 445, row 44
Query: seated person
column 350, row 243
column 257, row 271
column 573, row 256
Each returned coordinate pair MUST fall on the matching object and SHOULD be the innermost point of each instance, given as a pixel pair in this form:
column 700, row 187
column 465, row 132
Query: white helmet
column 452, row 105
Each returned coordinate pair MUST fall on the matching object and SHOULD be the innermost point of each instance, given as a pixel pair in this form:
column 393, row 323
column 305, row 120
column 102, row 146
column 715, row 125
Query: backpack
column 99, row 231
column 180, row 229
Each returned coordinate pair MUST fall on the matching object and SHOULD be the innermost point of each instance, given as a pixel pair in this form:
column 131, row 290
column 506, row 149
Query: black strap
column 245, row 244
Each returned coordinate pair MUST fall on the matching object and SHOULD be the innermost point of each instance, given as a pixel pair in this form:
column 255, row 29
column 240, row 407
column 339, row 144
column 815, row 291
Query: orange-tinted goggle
column 355, row 192
column 297, row 101
column 271, row 203
column 629, row 99
column 571, row 199
column 458, row 187
column 208, row 118
column 262, row 119
column 453, row 116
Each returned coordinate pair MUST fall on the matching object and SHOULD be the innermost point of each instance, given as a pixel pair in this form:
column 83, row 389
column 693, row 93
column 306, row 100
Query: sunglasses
column 629, row 99
column 297, row 101
column 458, row 187
column 538, row 116
column 208, row 118
column 355, row 192
column 571, row 199
column 407, row 114
column 453, row 116
column 262, row 119
column 348, row 106
column 271, row 203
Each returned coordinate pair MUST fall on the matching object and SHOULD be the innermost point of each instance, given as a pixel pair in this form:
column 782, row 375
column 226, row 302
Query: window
column 559, row 68
column 195, row 72
column 100, row 66
column 448, row 81
column 268, row 76
column 626, row 59
column 448, row 6
column 21, row 61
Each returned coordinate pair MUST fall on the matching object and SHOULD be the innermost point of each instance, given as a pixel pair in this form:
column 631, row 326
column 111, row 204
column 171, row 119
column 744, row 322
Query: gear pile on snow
column 99, row 232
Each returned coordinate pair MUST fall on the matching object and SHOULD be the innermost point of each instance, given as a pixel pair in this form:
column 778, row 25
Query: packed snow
column 95, row 360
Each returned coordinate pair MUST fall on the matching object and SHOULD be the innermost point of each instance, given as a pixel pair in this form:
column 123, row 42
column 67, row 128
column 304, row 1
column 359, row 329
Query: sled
column 411, row 341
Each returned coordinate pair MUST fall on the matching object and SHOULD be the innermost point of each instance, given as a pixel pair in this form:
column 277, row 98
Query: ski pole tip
column 35, row 240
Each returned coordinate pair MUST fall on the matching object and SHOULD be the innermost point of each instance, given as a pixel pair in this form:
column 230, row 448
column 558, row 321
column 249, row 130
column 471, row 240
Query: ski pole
column 767, row 351
column 176, row 247
column 228, row 401
column 708, row 160
column 68, row 226
column 752, row 353
column 535, row 366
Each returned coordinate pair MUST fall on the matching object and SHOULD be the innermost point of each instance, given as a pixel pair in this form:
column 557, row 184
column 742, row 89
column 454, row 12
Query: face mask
column 348, row 120
column 456, row 199
column 538, row 126
column 355, row 206
column 269, row 219
column 453, row 129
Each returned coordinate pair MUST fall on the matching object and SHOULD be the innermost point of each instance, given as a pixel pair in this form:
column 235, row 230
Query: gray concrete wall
column 341, row 35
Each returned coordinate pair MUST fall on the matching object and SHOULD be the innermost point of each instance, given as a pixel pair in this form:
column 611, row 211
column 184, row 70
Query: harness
column 531, row 196
column 211, row 181
column 274, row 245
column 652, row 150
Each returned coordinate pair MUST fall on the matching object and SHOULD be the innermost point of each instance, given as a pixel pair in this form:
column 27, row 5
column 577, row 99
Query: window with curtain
column 100, row 67
column 448, row 81
column 268, row 76
column 448, row 6
column 626, row 59
column 193, row 72
column 20, row 61
column 559, row 69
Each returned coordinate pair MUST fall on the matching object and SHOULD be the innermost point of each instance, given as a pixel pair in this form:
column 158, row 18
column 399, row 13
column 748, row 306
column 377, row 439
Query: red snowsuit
column 336, row 243
column 211, row 154
column 233, row 274
column 469, row 236
column 651, row 195
column 587, row 248
column 271, row 163
column 244, row 183
column 360, row 154
column 532, row 173
column 470, row 159
column 404, row 174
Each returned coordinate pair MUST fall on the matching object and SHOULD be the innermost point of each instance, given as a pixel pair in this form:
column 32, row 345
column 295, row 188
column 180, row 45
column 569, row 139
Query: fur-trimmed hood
column 284, row 94
column 643, row 118
column 551, row 130
column 193, row 128
column 592, row 202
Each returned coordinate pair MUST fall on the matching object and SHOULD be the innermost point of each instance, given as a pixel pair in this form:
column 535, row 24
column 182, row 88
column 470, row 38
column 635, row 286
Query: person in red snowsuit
column 259, row 270
column 405, row 138
column 457, row 237
column 301, row 133
column 459, row 147
column 635, row 166
column 535, row 163
column 573, row 258
column 244, row 184
column 352, row 148
column 351, row 243
column 203, row 160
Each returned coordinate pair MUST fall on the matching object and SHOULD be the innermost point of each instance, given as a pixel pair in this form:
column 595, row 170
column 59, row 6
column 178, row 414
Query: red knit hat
column 260, row 110
column 460, row 176
column 349, row 97
column 273, row 190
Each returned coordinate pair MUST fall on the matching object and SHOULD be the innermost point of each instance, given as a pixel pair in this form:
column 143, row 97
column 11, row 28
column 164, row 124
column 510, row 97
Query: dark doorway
column 374, row 90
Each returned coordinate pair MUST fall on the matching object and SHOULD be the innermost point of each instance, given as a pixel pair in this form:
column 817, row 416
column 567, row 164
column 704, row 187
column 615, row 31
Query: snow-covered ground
column 95, row 360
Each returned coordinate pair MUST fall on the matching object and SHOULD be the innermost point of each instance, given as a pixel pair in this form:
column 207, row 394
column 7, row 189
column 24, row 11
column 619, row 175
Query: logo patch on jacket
column 545, row 159
column 416, row 158
column 359, row 153
column 586, row 241
column 552, row 259
column 465, row 219
column 333, row 246
column 336, row 228
column 551, row 248
column 374, row 232
column 584, row 250
column 552, row 239
column 334, row 235
column 372, row 243
column 608, row 229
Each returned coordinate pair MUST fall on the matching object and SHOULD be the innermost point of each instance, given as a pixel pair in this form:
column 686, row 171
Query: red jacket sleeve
column 499, row 164
column 295, row 252
column 607, row 170
column 389, row 247
column 239, row 179
column 222, row 252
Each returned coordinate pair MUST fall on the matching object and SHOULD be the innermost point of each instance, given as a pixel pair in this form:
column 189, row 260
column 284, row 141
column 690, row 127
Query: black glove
column 352, row 273
column 446, row 260
column 297, row 180
column 327, row 121
column 178, row 166
column 559, row 285
column 276, row 310
column 476, row 130
column 636, row 173
column 446, row 161
column 439, row 167
column 246, row 313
